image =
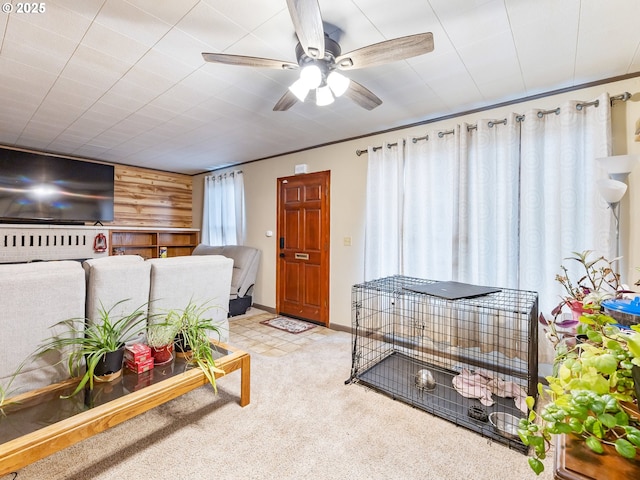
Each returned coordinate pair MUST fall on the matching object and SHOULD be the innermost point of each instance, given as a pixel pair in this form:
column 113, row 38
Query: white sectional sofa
column 35, row 296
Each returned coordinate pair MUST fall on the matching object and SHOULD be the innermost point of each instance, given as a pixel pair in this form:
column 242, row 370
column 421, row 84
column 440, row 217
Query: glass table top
column 45, row 407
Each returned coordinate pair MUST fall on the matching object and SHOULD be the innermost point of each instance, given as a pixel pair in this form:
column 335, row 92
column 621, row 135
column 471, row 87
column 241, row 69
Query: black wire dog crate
column 471, row 361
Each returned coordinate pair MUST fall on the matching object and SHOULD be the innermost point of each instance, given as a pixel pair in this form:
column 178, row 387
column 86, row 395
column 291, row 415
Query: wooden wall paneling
column 145, row 197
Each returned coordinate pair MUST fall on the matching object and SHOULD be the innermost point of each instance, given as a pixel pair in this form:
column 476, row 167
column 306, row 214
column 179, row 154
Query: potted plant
column 160, row 338
column 597, row 281
column 195, row 332
column 97, row 345
column 593, row 394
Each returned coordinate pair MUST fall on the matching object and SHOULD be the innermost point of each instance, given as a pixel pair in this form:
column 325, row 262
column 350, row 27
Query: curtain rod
column 519, row 118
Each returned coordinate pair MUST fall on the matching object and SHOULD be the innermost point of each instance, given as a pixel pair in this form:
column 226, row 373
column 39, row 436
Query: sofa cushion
column 119, row 284
column 34, row 297
column 205, row 280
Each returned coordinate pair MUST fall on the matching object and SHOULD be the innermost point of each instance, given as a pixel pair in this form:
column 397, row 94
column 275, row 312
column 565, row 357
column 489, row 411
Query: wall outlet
column 347, row 241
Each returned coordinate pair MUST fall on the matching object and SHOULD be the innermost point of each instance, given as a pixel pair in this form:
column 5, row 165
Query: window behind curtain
column 223, row 217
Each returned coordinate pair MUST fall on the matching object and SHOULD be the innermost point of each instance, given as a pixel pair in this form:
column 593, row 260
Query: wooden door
column 302, row 273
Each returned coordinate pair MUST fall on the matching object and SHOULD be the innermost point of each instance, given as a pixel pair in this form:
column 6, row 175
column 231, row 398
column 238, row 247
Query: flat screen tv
column 43, row 188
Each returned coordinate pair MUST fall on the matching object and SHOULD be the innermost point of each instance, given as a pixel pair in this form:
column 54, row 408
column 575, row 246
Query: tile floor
column 247, row 333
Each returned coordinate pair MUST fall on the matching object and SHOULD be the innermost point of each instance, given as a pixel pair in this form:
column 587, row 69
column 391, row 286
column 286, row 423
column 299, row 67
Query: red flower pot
column 162, row 355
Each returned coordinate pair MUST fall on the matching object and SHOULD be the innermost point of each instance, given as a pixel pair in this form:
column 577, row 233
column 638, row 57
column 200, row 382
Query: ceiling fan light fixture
column 324, row 96
column 299, row 89
column 338, row 83
column 311, row 75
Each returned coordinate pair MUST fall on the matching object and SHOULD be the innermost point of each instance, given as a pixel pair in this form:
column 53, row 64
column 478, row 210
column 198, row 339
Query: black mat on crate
column 452, row 290
column 395, row 376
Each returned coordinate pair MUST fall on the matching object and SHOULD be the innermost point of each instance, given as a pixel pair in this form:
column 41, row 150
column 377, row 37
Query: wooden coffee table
column 51, row 424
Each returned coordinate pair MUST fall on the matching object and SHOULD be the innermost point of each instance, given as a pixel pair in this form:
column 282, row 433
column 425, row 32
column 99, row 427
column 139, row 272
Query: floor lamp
column 618, row 167
column 613, row 191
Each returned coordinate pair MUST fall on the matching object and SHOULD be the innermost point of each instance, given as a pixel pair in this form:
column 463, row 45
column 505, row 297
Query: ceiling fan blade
column 248, row 61
column 286, row 102
column 307, row 22
column 387, row 51
column 362, row 96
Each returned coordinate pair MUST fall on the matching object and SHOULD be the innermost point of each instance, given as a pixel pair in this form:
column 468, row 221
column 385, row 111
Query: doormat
column 290, row 325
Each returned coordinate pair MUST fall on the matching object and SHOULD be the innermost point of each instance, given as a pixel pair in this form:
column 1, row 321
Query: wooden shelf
column 148, row 243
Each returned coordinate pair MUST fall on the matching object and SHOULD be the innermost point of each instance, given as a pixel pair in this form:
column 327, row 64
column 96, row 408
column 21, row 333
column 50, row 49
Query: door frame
column 326, row 241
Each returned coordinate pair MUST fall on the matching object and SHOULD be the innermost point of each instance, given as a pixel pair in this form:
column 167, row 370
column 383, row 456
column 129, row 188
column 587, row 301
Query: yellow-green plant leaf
column 606, row 363
column 536, row 465
column 624, row 448
column 594, row 444
column 596, row 383
column 598, row 431
column 564, row 373
column 634, row 344
column 530, row 402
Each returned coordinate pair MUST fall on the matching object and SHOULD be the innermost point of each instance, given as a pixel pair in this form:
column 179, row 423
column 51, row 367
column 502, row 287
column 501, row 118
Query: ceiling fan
column 319, row 59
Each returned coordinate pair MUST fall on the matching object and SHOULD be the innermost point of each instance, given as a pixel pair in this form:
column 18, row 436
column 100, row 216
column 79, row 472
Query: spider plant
column 6, row 389
column 89, row 341
column 196, row 331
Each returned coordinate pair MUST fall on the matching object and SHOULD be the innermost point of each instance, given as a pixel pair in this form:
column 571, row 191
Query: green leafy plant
column 592, row 395
column 196, row 331
column 86, row 342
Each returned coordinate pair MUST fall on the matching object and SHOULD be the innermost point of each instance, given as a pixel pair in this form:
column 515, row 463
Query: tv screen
column 45, row 188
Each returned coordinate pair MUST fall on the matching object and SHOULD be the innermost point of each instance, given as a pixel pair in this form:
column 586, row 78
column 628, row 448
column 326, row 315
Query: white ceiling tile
column 132, row 22
column 415, row 16
column 67, row 90
column 165, row 66
column 486, row 63
column 466, row 21
column 53, row 111
column 206, row 83
column 603, row 31
column 138, row 90
column 28, row 78
column 114, row 44
column 52, row 62
column 249, row 14
column 54, row 16
column 211, row 27
column 4, row 20
column 6, row 137
column 183, row 47
column 86, row 8
column 124, row 97
column 94, row 68
column 167, row 11
column 179, row 99
column 277, row 34
column 32, row 45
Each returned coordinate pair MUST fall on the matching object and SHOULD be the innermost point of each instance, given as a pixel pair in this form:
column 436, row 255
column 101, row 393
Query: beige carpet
column 303, row 423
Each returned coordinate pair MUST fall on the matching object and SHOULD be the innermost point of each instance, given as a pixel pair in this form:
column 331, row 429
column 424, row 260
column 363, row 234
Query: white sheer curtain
column 500, row 206
column 487, row 247
column 223, row 216
column 383, row 211
column 562, row 211
column 431, row 172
